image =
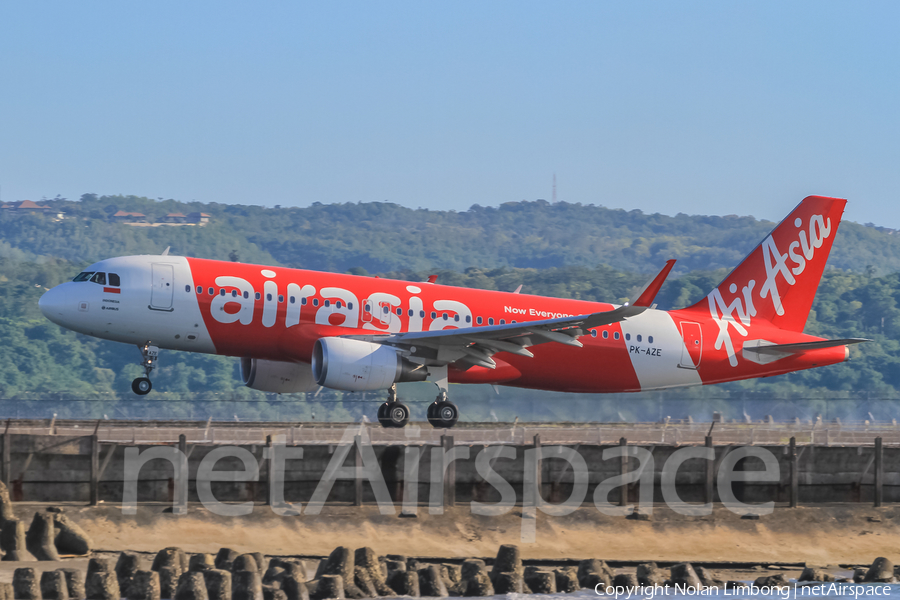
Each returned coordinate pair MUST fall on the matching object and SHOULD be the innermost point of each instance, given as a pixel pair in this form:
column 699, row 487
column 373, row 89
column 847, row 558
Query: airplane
column 296, row 330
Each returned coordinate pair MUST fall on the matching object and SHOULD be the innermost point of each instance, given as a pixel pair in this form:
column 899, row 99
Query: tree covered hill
column 561, row 250
column 45, row 369
column 381, row 237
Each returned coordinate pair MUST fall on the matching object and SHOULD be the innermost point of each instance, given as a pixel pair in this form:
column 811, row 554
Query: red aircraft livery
column 295, row 330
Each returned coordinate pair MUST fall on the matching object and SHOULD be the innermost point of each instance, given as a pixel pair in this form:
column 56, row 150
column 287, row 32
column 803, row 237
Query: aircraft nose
column 52, row 304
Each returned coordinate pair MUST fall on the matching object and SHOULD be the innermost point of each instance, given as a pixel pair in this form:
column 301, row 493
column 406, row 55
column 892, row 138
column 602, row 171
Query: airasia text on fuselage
column 237, row 302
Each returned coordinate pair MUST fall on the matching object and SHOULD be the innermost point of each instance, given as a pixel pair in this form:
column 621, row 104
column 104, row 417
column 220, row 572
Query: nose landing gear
column 142, row 385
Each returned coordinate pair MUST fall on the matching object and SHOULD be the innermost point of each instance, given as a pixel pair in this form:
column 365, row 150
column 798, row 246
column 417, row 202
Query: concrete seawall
column 56, row 466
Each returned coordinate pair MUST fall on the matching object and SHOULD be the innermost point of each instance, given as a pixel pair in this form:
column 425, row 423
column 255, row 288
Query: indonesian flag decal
column 111, row 290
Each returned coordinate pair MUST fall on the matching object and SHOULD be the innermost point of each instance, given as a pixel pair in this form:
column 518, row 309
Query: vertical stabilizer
column 778, row 280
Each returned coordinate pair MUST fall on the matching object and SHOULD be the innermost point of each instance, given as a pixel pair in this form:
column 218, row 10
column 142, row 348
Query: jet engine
column 276, row 376
column 355, row 365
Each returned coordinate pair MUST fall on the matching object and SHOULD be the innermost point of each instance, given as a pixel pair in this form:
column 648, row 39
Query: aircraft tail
column 778, row 280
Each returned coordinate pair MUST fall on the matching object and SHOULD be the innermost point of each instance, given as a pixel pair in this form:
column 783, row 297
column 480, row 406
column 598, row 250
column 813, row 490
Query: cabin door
column 693, row 345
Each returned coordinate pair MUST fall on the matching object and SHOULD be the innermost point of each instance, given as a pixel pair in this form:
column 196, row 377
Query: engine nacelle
column 276, row 376
column 355, row 365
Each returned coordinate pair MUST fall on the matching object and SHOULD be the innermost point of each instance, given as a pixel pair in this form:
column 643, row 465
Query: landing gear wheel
column 396, row 414
column 443, row 414
column 393, row 415
column 383, row 414
column 141, row 386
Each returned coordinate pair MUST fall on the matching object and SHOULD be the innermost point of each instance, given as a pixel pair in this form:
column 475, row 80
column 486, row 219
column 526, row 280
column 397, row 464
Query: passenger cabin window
column 468, row 318
column 199, row 289
column 491, row 321
column 83, row 276
column 616, row 335
column 593, row 333
column 315, row 301
column 478, row 320
column 650, row 339
column 187, row 288
column 258, row 295
column 99, row 278
column 211, row 291
column 280, row 297
column 628, row 336
column 605, row 334
column 114, row 280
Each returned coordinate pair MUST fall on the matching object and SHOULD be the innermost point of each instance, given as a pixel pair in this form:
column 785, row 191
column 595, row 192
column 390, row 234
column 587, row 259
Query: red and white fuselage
column 278, row 314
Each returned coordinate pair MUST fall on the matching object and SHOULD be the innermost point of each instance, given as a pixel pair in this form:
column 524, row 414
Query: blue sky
column 695, row 107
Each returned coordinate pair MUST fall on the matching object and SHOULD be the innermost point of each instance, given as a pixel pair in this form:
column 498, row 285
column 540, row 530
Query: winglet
column 648, row 294
column 432, row 279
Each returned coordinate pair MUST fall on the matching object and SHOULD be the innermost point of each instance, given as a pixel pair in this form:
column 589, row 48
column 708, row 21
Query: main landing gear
column 393, row 413
column 442, row 414
column 142, row 385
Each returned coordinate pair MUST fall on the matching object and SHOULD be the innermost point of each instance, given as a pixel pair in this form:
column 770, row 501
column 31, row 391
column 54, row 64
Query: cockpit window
column 99, row 278
column 83, row 276
column 114, row 279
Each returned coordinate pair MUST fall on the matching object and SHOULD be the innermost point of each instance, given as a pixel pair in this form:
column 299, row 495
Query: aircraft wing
column 475, row 346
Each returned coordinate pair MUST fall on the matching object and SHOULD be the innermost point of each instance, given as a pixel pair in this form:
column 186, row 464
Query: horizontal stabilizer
column 804, row 346
column 649, row 292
